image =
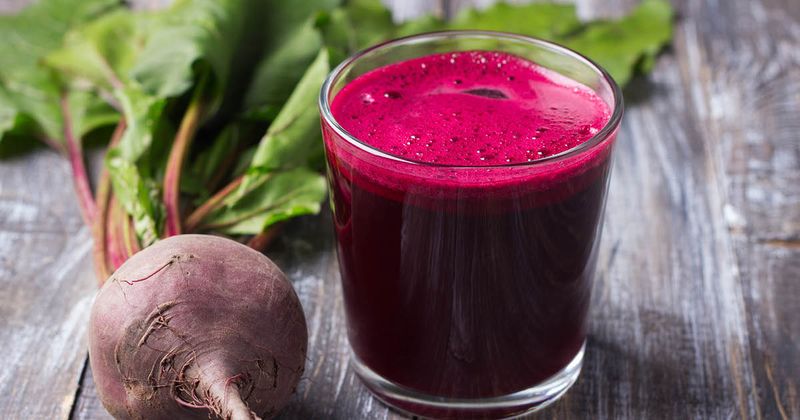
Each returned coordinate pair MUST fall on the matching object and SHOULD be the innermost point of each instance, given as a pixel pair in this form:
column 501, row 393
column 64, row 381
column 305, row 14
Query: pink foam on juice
column 471, row 108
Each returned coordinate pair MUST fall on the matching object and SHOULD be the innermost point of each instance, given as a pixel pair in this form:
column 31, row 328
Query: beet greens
column 209, row 106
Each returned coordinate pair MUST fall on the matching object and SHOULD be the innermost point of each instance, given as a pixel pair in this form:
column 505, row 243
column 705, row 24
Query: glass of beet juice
column 468, row 173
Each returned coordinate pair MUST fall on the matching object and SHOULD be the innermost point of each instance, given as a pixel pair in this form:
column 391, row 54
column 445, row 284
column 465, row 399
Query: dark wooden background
column 696, row 303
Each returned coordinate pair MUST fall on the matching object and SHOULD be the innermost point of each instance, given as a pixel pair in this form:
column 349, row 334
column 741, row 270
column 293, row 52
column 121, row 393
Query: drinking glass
column 467, row 288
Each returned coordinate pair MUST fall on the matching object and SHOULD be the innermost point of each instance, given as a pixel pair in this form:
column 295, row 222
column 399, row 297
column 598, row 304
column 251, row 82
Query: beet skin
column 197, row 326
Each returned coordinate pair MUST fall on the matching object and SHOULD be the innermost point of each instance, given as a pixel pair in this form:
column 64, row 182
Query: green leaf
column 617, row 45
column 143, row 114
column 229, row 36
column 88, row 112
column 428, row 23
column 8, row 113
column 15, row 128
column 101, row 54
column 281, row 69
column 30, row 91
column 370, row 22
column 278, row 184
column 542, row 20
column 243, row 162
column 103, row 51
column 620, row 45
column 356, row 25
column 185, row 33
column 293, row 138
column 282, row 196
column 290, row 42
column 39, row 29
column 135, row 163
column 137, row 195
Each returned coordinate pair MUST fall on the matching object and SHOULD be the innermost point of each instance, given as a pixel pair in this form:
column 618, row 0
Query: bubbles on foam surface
column 392, row 94
column 444, row 108
column 367, row 98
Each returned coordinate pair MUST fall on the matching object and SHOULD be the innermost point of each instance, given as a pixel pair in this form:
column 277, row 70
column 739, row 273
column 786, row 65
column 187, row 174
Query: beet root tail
column 219, row 394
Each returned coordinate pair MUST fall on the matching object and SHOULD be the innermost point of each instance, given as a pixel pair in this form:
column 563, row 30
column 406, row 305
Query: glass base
column 523, row 402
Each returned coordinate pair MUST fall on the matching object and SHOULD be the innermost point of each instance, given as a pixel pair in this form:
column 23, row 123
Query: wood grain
column 746, row 77
column 695, row 305
column 46, row 288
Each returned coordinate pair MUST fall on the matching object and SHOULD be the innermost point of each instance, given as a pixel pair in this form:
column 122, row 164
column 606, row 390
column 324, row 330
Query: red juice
column 466, row 247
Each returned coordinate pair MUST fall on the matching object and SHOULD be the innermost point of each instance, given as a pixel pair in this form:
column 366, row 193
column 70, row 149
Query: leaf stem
column 130, row 240
column 263, row 240
column 245, row 216
column 114, row 243
column 211, row 204
column 99, row 227
column 177, row 155
column 79, row 174
column 52, row 144
column 195, row 219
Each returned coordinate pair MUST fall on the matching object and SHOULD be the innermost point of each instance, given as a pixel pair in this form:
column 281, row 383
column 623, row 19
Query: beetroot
column 197, row 326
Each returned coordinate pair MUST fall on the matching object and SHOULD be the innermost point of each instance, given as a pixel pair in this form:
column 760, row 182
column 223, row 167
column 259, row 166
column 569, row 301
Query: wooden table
column 696, row 303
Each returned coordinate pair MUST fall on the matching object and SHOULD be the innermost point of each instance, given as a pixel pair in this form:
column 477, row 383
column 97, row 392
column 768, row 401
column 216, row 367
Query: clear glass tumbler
column 467, row 288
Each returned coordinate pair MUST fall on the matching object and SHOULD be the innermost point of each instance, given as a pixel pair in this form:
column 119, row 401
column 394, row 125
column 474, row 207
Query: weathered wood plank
column 46, row 286
column 746, row 68
column 87, row 405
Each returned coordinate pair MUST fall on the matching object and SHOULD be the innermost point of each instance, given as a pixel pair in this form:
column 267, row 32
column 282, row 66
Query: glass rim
column 608, row 129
